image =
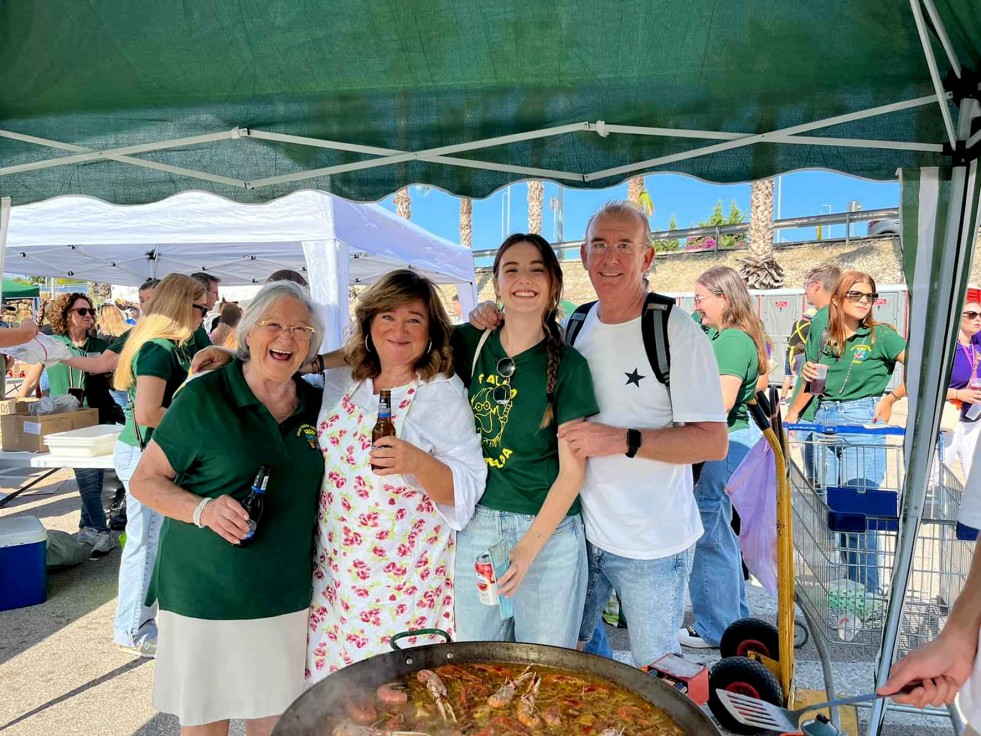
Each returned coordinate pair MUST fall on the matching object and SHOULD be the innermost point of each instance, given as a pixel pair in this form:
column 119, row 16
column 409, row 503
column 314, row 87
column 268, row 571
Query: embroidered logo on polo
column 309, row 433
column 860, row 353
column 492, row 418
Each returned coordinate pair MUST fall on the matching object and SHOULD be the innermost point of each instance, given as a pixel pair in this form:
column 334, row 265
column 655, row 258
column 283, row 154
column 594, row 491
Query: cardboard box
column 22, row 432
column 16, row 406
column 84, row 418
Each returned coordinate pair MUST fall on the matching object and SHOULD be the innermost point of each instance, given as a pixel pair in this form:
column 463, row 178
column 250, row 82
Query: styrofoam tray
column 85, row 442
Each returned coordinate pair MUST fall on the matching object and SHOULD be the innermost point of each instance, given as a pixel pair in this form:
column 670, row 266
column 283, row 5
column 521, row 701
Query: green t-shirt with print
column 62, row 377
column 736, row 355
column 865, row 366
column 522, row 460
column 215, row 435
column 163, row 359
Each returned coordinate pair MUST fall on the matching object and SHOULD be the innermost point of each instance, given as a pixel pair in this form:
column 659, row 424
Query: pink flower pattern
column 384, row 557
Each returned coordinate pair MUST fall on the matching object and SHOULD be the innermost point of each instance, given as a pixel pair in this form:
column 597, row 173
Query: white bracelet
column 196, row 518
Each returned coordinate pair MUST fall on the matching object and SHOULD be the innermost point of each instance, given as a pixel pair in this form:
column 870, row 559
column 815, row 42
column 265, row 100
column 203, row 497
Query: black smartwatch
column 634, row 439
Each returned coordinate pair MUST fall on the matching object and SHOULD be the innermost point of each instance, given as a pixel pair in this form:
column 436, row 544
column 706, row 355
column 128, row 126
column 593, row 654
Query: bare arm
column 563, row 492
column 693, row 443
column 29, row 383
column 103, row 363
column 398, row 457
column 149, row 409
column 883, row 409
column 153, row 484
column 731, row 385
column 11, row 336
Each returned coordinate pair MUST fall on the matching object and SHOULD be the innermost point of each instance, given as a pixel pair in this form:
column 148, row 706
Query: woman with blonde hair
column 717, row 585
column 152, row 365
column 111, row 323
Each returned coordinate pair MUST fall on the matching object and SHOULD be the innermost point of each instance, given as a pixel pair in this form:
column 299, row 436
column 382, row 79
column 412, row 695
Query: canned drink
column 486, row 581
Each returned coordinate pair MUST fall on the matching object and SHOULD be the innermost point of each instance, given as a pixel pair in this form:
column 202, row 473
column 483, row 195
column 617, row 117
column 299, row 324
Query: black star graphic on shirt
column 633, row 378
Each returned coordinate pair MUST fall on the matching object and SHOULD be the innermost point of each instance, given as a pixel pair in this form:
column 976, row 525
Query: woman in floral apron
column 384, row 556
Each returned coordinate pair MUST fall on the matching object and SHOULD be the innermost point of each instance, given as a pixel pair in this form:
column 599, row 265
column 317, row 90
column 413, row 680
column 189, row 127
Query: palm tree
column 760, row 268
column 536, row 200
column 466, row 222
column 403, row 204
column 635, row 188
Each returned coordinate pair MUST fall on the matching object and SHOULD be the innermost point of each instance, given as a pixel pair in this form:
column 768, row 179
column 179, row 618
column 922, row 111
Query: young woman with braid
column 525, row 383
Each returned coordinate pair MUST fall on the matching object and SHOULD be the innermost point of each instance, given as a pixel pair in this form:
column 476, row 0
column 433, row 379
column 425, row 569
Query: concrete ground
column 61, row 674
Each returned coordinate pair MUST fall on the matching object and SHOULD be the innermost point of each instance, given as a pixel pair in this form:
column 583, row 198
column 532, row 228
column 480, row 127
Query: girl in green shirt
column 716, row 585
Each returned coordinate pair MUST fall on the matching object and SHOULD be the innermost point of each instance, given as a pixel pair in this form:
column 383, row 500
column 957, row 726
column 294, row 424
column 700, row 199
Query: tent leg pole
column 948, row 281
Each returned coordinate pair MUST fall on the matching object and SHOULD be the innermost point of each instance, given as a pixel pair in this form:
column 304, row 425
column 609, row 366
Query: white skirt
column 209, row 671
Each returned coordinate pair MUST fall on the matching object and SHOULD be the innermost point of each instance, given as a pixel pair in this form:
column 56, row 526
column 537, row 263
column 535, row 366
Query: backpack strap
column 654, row 329
column 576, row 320
column 476, row 353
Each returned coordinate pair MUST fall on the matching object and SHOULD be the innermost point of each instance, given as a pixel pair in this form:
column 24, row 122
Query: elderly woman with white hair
column 233, row 618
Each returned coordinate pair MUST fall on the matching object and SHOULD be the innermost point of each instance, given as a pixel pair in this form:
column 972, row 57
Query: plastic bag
column 65, row 551
column 753, row 491
column 61, row 404
column 41, row 349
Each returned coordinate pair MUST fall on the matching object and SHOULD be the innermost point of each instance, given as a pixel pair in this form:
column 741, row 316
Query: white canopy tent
column 333, row 241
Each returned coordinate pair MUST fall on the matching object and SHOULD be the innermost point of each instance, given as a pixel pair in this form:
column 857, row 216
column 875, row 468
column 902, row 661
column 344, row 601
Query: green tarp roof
column 18, row 289
column 410, row 76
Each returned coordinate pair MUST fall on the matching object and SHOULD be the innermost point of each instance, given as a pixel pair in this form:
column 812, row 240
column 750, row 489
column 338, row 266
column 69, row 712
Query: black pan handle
column 418, row 632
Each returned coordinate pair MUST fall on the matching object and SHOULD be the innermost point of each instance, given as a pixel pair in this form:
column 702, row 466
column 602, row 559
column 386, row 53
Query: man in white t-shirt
column 638, row 506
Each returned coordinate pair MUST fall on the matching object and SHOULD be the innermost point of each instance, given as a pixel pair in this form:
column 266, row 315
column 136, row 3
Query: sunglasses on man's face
column 83, row 311
column 502, row 392
column 971, row 315
column 858, row 296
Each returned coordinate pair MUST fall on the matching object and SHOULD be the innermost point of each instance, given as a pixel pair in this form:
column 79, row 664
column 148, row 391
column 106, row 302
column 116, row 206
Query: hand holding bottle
column 226, row 518
column 392, row 456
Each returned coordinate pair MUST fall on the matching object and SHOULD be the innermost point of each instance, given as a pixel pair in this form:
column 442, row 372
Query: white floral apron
column 384, row 556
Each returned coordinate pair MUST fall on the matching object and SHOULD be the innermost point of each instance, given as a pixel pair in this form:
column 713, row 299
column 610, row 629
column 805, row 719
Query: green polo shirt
column 736, row 355
column 62, row 377
column 815, row 336
column 200, row 338
column 119, row 343
column 215, row 435
column 163, row 359
column 864, row 368
column 522, row 460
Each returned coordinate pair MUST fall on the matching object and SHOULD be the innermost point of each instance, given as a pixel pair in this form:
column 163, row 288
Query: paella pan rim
column 308, row 714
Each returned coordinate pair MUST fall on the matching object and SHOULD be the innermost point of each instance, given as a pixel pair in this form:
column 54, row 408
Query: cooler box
column 23, row 574
column 85, row 442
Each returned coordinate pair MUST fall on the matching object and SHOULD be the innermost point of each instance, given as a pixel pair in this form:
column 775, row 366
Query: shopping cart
column 846, row 486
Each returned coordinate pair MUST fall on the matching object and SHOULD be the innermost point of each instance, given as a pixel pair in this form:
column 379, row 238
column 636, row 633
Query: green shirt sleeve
column 735, row 354
column 117, row 345
column 179, row 432
column 888, row 342
column 154, row 359
column 815, row 335
column 574, row 394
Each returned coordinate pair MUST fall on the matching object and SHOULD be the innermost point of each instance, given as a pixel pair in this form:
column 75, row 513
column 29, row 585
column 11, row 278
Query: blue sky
column 690, row 200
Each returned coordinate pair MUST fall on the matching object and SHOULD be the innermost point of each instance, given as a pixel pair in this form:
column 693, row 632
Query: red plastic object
column 690, row 678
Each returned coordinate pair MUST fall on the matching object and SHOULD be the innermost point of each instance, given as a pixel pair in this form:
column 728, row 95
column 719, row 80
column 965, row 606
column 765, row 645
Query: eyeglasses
column 202, row 307
column 299, row 332
column 808, row 283
column 624, row 246
column 971, row 315
column 83, row 311
column 700, row 299
column 505, row 369
column 859, row 296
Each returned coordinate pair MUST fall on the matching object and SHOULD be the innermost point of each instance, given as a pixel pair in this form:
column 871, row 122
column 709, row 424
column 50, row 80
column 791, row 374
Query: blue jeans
column 652, row 597
column 121, row 398
column 89, row 482
column 135, row 620
column 598, row 643
column 549, row 602
column 717, row 586
column 853, row 461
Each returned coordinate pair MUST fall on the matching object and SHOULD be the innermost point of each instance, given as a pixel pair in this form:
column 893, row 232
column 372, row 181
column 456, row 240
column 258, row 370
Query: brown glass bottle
column 384, row 426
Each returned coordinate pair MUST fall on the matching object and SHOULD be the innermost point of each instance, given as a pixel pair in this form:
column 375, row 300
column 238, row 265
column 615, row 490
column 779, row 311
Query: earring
column 368, row 349
column 430, row 348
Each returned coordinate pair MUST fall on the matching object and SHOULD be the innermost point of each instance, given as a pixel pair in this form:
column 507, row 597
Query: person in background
column 818, row 284
column 73, row 323
column 456, row 311
column 286, row 274
column 112, row 326
column 370, row 585
column 861, row 355
column 210, row 283
column 152, row 366
column 224, row 334
column 965, row 386
column 232, row 619
column 717, row 585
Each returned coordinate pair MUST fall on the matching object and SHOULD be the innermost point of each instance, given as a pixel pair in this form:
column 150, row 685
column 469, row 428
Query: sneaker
column 88, row 535
column 105, row 544
column 145, row 648
column 688, row 637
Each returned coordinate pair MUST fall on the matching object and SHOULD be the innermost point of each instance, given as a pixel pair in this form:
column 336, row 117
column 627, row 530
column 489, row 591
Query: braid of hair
column 553, row 344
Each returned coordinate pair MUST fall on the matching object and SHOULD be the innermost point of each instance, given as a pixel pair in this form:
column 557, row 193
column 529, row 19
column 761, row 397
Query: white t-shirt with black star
column 633, row 507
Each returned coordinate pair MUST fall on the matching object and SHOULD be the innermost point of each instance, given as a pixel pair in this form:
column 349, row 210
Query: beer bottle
column 384, row 426
column 253, row 504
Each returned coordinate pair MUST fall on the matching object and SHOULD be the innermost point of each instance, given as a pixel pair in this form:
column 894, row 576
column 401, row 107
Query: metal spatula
column 758, row 713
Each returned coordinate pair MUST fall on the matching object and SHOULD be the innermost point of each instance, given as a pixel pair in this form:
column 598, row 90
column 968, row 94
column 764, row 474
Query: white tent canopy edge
column 336, row 242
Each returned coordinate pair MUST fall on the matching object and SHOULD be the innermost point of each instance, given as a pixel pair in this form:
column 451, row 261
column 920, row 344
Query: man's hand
column 942, row 666
column 27, row 329
column 393, row 456
column 486, row 317
column 591, row 439
column 210, row 359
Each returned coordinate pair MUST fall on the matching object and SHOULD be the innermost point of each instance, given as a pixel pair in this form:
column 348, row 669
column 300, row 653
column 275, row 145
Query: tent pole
column 938, row 26
column 942, row 293
column 5, row 205
column 931, row 61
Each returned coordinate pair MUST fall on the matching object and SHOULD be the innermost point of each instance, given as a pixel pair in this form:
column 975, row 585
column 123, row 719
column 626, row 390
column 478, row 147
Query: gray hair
column 269, row 295
column 622, row 208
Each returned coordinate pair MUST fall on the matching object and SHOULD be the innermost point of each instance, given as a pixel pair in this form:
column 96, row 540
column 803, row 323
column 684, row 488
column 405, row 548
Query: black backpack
column 654, row 329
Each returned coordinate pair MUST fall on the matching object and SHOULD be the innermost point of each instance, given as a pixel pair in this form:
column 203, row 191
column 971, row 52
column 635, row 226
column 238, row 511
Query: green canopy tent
column 132, row 102
column 19, row 290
